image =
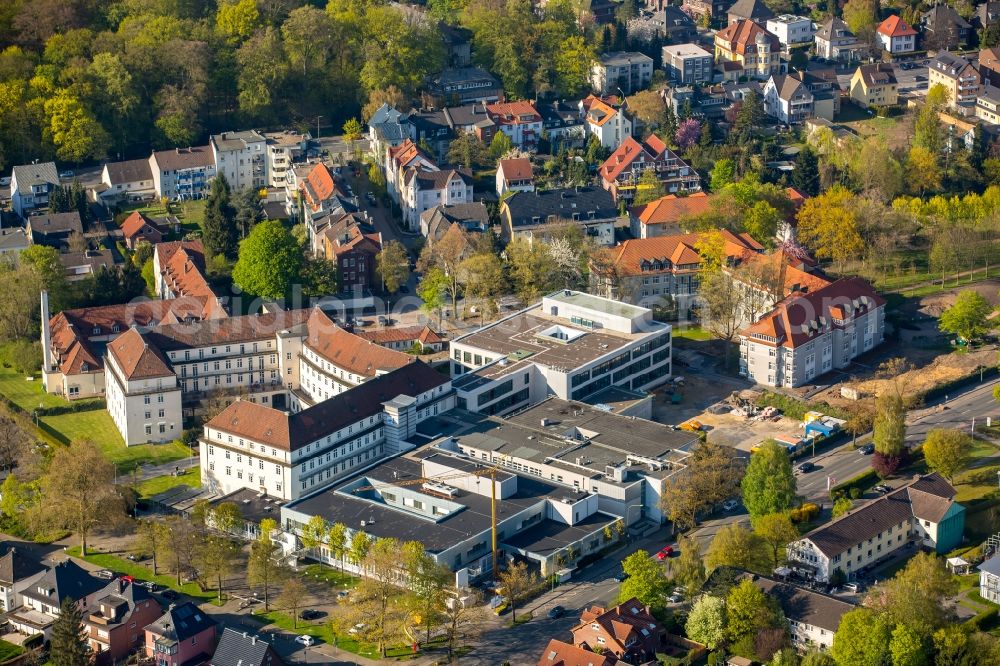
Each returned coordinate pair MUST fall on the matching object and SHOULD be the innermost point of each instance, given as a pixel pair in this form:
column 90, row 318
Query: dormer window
column 97, row 330
column 116, row 328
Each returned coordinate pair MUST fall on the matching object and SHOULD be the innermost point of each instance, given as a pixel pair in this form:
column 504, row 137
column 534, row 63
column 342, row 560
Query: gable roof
column 318, row 186
column 799, row 604
column 943, row 16
column 63, row 580
column 42, row 173
column 133, row 224
column 523, row 207
column 129, row 171
column 651, row 149
column 788, row 86
column 893, row 26
column 516, row 169
column 630, row 619
column 184, row 158
column 950, row 65
column 118, row 595
column 745, row 32
column 672, row 208
column 242, row 649
column 55, row 223
column 136, row 358
column 382, row 336
column 877, row 74
column 599, row 111
column 557, row 653
column 16, row 565
column 990, row 58
column 182, row 266
column 927, row 497
column 679, row 250
column 750, row 9
column 348, row 351
column 834, row 28
column 511, row 113
column 181, row 622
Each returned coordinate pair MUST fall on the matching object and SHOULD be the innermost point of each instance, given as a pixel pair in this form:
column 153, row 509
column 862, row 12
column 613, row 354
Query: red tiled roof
column 652, row 149
column 557, row 653
column 744, row 32
column 348, row 351
column 182, row 264
column 622, row 621
column 424, row 334
column 136, row 358
column 671, row 208
column 893, row 26
column 786, row 323
column 134, row 223
column 254, row 421
column 318, row 186
column 510, row 113
column 516, row 169
column 679, row 250
column 405, row 153
column 599, row 111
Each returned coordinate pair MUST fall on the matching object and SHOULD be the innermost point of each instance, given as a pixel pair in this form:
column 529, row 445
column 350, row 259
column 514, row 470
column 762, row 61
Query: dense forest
column 92, row 79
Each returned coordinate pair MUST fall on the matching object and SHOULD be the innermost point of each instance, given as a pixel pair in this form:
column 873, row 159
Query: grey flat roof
column 549, row 536
column 605, row 305
column 254, row 506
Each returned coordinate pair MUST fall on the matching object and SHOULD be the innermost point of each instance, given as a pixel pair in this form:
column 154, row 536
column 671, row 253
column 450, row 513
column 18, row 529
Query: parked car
column 867, row 449
column 170, row 595
column 357, row 629
column 730, row 505
column 852, row 587
column 665, row 552
column 675, row 598
column 620, row 577
column 304, row 639
column 107, row 574
column 66, row 174
column 807, row 467
column 5, row 181
column 310, row 614
column 882, row 488
column 556, row 612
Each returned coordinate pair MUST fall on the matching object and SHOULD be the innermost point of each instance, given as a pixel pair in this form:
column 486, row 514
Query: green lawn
column 9, row 650
column 692, row 333
column 190, row 213
column 337, row 580
column 157, row 485
column 27, row 395
column 140, row 571
column 323, row 631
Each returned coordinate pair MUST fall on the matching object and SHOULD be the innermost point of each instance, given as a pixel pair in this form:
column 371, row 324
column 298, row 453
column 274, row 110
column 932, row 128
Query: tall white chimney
column 46, row 334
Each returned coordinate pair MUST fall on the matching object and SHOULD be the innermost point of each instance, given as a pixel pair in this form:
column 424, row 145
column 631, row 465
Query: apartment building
column 755, row 51
column 688, row 63
column 18, row 569
column 401, row 158
column 30, row 186
column 520, row 121
column 242, row 158
column 291, row 454
column 571, row 345
column 807, row 335
column 923, row 512
column 959, row 77
column 628, row 71
column 791, row 30
column 663, row 216
column 179, row 270
column 988, row 105
column 796, row 97
column 353, row 252
column 183, row 173
column 423, row 190
column 621, row 174
column 714, row 10
column 628, row 631
column 130, row 180
column 531, row 215
column 283, row 149
column 875, row 85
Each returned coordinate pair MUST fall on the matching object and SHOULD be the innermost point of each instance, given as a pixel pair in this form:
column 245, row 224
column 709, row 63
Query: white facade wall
column 246, row 166
column 792, row 29
column 146, row 410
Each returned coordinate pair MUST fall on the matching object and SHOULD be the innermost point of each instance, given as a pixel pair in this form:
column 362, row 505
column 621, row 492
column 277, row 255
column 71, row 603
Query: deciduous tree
column 712, row 476
column 433, row 291
column 216, row 557
column 393, row 265
column 270, row 261
column 947, row 451
column 862, row 638
column 749, row 611
column 515, row 583
column 688, row 568
column 828, row 224
column 736, row 546
column 265, row 569
column 648, row 188
column 646, row 579
column 776, row 531
column 968, row 317
column 706, row 623
column 769, row 484
column 292, row 598
column 428, row 586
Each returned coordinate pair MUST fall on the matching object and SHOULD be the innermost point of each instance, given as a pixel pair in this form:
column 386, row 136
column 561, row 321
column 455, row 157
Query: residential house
column 432, row 128
column 663, row 216
column 179, row 270
column 564, row 124
column 673, row 25
column 474, row 118
column 44, row 597
column 808, row 335
column 400, row 159
column 749, row 10
column 242, row 158
column 81, row 265
column 30, row 186
column 557, row 653
column 791, row 30
column 242, row 649
column 113, row 623
column 183, row 635
column 989, row 579
column 18, row 569
column 986, row 15
column 466, row 84
column 875, row 85
column 319, row 193
column 73, row 341
column 754, row 50
column 470, row 218
column 606, row 120
column 988, row 105
column 835, row 41
column 989, row 66
column 183, row 173
column 130, row 180
column 944, row 29
column 13, row 241
column 896, row 36
column 625, row 71
column 796, row 97
column 405, row 338
column 353, row 252
column 661, row 271
column 515, row 175
column 520, row 121
column 283, row 149
column 387, row 128
column 958, row 77
column 621, row 174
column 53, row 229
column 603, row 11
column 533, row 215
column 137, row 227
column 423, row 190
column 715, row 10
column 923, row 513
column 688, row 63
column 628, row 631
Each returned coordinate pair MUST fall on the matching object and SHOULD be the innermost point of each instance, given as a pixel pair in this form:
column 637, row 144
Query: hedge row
column 862, row 482
column 985, row 620
column 73, row 407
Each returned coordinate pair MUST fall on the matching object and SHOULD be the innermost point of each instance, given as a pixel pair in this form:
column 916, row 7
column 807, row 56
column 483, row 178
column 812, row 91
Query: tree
column 761, row 222
column 749, row 611
column 467, row 151
column 336, row 541
column 688, row 568
column 923, row 174
column 264, row 568
column 947, row 451
column 216, row 557
column 246, row 209
column 841, row 506
column 433, row 291
column 769, row 484
column 314, row 533
column 908, row 647
column 706, row 623
column 227, row 517
column 237, row 19
column 915, row 595
column 805, row 178
column 688, row 133
column 482, row 274
column 889, row 429
column 219, row 227
column 270, row 261
column 573, row 59
column 180, row 547
column 318, row 275
column 358, row 549
column 721, row 308
column 393, row 265
column 776, row 531
column 648, row 188
column 968, row 318
column 736, row 546
column 462, row 616
column 723, row 173
column 829, row 225
column 862, row 638
column 428, row 585
column 79, row 492
column 861, row 17
column 151, row 538
column 500, row 145
column 372, row 601
column 646, row 579
column 69, row 638
column 73, row 129
column 291, row 599
column 353, row 129
column 649, row 107
column 515, row 583
column 712, row 476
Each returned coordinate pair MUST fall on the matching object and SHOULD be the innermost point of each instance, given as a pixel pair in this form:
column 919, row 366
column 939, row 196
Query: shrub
column 984, row 620
column 854, row 492
column 886, row 465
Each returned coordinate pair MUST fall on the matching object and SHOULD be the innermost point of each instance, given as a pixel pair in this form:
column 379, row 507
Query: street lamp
column 317, row 127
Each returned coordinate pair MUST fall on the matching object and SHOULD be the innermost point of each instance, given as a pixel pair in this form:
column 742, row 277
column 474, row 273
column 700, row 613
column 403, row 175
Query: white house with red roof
column 896, row 36
column 518, row 120
column 515, row 175
column 606, row 119
column 809, row 334
column 622, row 171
